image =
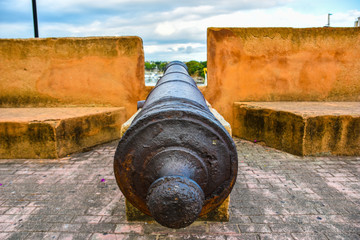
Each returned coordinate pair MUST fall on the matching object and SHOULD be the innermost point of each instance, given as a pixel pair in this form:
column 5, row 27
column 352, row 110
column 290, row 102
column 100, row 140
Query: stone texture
column 56, row 132
column 95, row 71
column 302, row 128
column 304, row 198
column 281, row 64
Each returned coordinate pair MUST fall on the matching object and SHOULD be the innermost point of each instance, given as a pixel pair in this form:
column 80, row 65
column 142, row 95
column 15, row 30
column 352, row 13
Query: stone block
column 56, row 132
column 301, row 128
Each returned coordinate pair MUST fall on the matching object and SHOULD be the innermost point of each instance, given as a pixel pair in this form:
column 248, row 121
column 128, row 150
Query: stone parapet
column 281, row 64
column 82, row 72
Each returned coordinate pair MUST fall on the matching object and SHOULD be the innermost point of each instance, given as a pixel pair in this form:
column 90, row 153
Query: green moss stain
column 78, row 135
column 297, row 35
column 81, row 47
column 27, row 140
column 353, row 134
column 26, row 99
column 40, row 133
column 254, row 122
column 7, row 136
column 335, row 128
column 128, row 46
column 279, row 125
column 69, row 47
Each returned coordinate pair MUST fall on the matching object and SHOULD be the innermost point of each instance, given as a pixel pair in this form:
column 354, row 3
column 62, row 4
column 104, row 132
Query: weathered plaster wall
column 97, row 71
column 282, row 64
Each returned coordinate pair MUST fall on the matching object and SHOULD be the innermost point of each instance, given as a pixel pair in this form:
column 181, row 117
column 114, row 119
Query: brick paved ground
column 277, row 196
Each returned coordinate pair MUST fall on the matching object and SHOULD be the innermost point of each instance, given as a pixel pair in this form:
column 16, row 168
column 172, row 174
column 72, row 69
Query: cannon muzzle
column 176, row 161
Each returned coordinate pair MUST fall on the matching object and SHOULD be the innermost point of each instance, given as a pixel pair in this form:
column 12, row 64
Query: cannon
column 176, row 161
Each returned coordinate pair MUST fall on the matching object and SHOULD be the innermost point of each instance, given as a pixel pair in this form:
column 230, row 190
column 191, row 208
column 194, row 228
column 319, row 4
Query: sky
column 171, row 30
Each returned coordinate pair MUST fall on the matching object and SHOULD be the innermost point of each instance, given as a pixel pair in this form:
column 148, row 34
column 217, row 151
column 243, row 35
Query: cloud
column 182, row 52
column 169, row 29
column 161, row 5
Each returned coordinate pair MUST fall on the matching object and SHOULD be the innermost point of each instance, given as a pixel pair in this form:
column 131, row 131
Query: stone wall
column 53, row 72
column 282, row 64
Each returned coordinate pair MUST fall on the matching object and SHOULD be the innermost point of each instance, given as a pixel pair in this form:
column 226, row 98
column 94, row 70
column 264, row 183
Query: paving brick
column 220, row 228
column 113, row 219
column 10, row 203
column 17, row 235
column 7, row 227
column 342, row 236
column 3, row 235
column 74, row 236
column 209, row 237
column 20, row 210
column 309, row 236
column 97, row 227
column 43, row 235
column 77, row 205
column 3, row 209
column 87, row 219
column 285, row 228
column 66, row 227
column 33, row 226
column 276, row 236
column 57, row 218
column 266, row 219
column 254, row 228
column 129, row 228
column 102, row 236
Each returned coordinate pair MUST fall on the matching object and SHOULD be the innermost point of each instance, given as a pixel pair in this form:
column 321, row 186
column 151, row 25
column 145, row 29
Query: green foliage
column 150, row 66
column 196, row 68
column 153, row 65
column 162, row 66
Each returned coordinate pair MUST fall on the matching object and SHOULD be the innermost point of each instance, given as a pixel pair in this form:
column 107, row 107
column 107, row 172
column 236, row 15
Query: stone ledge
column 56, row 132
column 301, row 128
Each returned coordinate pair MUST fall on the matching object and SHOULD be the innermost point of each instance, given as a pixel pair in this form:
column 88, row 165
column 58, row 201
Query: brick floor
column 277, row 196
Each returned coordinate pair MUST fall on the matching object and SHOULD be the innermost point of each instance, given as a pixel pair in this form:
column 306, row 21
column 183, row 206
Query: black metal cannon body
column 176, row 161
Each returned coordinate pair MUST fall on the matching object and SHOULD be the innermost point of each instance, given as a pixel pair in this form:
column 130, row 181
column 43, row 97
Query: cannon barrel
column 176, row 161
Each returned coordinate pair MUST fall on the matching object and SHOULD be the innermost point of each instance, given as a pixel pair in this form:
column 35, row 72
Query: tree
column 162, row 66
column 196, row 68
column 150, row 66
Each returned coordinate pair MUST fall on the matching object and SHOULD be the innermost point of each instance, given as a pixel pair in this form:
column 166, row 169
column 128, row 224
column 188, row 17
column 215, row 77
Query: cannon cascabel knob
column 175, row 201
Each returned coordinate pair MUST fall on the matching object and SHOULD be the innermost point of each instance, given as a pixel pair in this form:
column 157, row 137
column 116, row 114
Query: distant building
column 357, row 23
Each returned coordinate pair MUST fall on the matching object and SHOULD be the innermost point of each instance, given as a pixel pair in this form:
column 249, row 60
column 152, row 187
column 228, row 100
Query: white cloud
column 165, row 29
column 168, row 28
column 228, row 5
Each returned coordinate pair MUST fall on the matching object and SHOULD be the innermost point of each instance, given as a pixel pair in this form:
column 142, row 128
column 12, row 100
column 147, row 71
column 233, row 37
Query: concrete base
column 56, row 132
column 301, row 128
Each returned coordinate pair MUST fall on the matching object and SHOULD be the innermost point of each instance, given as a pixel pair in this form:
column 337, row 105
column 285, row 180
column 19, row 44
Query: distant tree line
column 196, row 69
column 153, row 65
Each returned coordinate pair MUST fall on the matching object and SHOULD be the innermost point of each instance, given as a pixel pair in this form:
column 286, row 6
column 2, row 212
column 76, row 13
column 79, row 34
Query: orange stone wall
column 281, row 64
column 97, row 71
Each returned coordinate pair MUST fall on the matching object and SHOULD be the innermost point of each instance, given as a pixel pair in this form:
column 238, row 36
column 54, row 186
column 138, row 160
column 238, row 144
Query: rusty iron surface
column 175, row 141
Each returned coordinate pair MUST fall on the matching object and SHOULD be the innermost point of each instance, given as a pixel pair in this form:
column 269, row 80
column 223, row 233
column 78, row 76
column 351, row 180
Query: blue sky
column 170, row 29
